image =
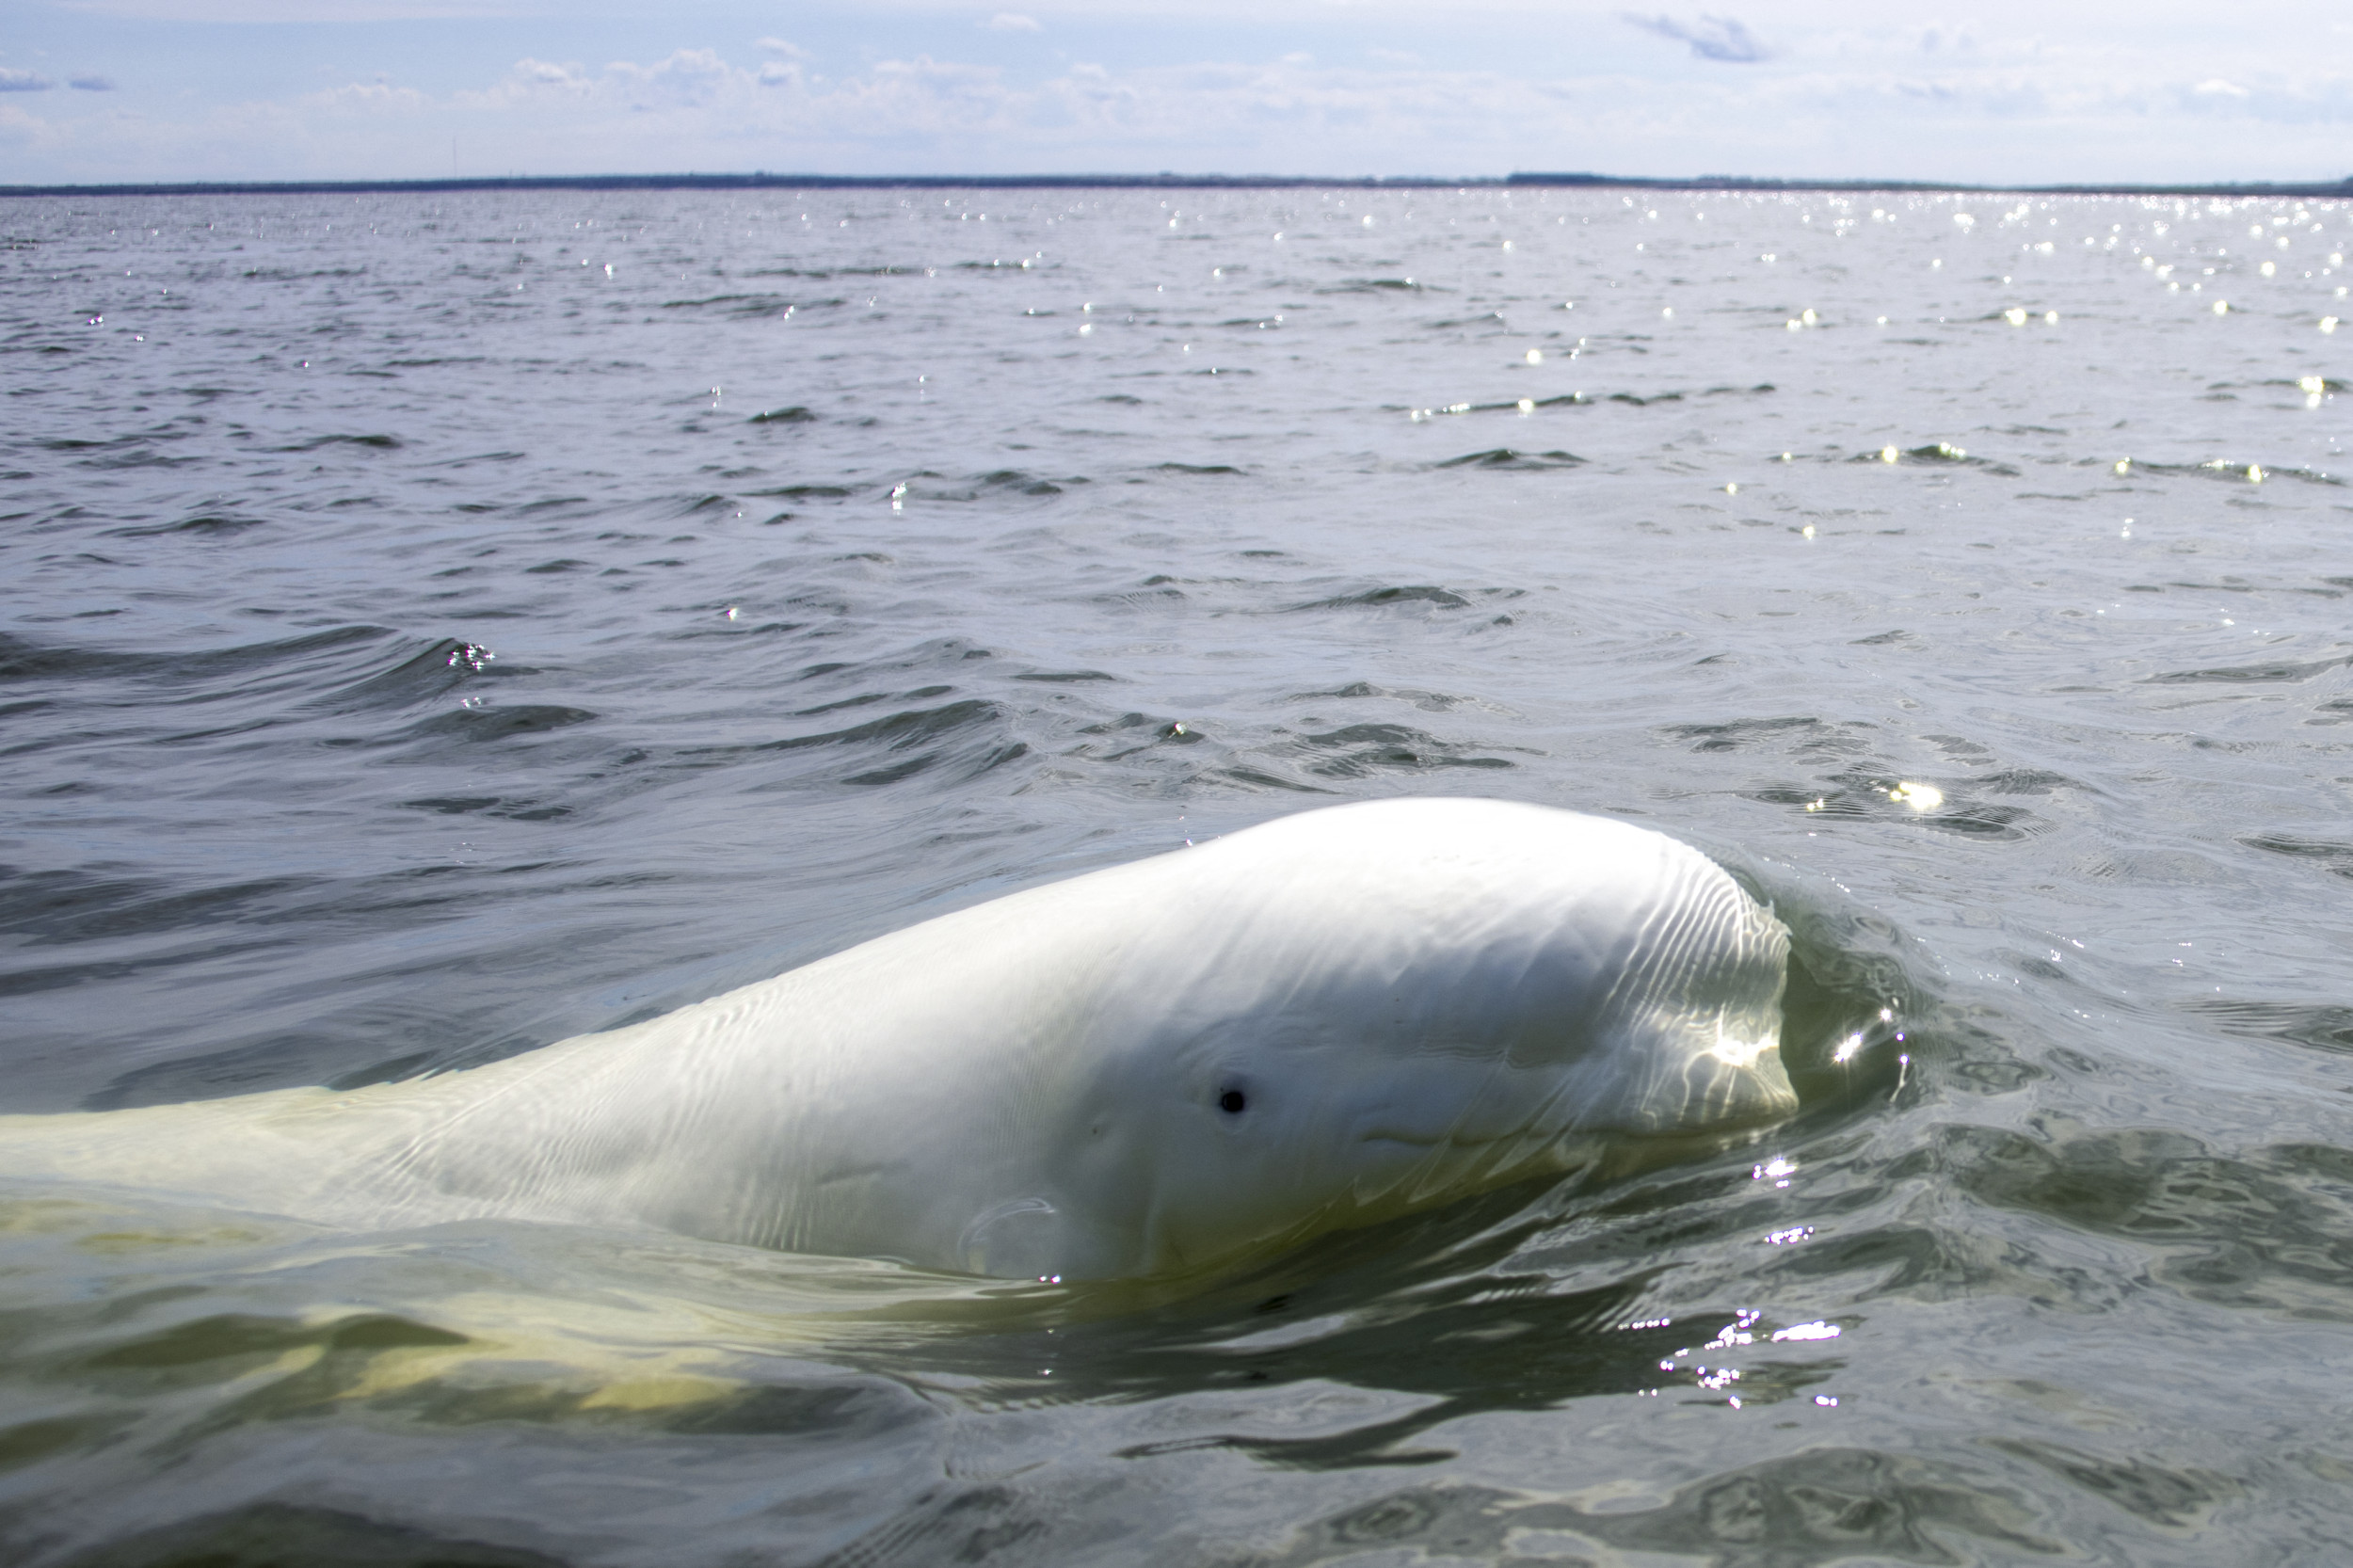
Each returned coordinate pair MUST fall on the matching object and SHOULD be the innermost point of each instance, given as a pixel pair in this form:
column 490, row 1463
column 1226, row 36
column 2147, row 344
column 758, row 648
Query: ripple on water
column 2283, row 671
column 1506, row 457
column 966, row 738
column 1360, row 751
column 1406, row 596
column 2265, row 1227
column 2055, row 1242
column 1833, row 1502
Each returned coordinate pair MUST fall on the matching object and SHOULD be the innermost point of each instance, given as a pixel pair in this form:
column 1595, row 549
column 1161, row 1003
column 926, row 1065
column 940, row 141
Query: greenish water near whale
column 422, row 643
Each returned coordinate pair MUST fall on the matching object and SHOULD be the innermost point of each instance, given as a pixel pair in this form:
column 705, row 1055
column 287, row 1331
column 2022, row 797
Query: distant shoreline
column 2342, row 189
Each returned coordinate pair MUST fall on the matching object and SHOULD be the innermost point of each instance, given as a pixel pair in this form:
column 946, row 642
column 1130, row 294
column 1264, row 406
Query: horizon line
column 762, row 180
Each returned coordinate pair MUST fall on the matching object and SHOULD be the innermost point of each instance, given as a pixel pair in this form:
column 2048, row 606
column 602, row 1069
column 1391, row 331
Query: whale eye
column 1233, row 1102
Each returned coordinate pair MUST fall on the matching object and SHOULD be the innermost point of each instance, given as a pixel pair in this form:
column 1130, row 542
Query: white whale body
column 1315, row 1023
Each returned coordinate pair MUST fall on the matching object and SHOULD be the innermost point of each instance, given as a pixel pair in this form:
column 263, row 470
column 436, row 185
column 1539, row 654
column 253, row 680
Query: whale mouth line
column 1441, row 1140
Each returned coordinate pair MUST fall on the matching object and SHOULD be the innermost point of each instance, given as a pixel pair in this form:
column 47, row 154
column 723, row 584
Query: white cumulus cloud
column 1013, row 22
column 1711, row 38
column 688, row 76
column 1858, row 102
column 531, row 75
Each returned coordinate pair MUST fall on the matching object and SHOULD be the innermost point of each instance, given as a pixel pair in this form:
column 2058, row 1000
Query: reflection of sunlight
column 1861, row 1039
column 1817, row 1330
column 1920, row 797
column 1734, row 1051
column 1742, row 1330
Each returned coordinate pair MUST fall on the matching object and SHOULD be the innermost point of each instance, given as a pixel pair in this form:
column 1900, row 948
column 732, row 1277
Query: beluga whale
column 1316, row 1023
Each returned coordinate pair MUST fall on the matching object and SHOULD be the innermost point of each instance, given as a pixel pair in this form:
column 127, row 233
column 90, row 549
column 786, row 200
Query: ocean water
column 432, row 627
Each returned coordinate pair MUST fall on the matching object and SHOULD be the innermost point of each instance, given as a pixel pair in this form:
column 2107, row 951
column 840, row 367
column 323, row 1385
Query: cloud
column 1013, row 22
column 1855, row 104
column 92, row 83
column 688, row 76
column 309, row 12
column 532, row 79
column 371, row 99
column 1711, row 38
column 13, row 80
column 2218, row 88
column 785, row 70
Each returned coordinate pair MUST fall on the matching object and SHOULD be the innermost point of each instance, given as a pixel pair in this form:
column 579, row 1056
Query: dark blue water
column 419, row 643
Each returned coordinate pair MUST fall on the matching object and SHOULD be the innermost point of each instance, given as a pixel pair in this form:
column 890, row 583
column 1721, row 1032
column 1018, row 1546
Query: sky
column 101, row 92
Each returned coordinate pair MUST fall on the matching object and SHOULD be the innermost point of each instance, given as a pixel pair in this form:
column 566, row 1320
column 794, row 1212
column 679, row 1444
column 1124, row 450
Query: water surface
column 437, row 626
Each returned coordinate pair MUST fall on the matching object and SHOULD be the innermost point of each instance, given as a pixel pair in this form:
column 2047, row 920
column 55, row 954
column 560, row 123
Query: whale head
column 1358, row 1012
